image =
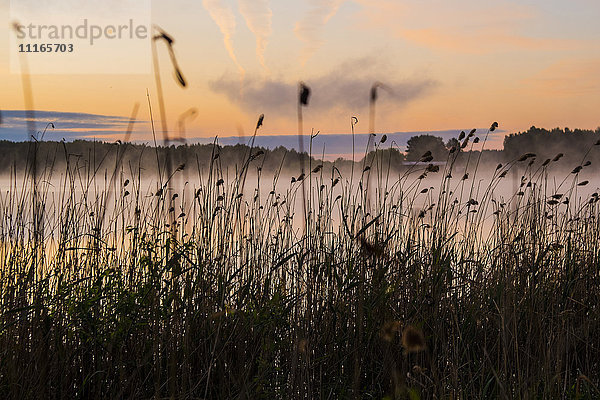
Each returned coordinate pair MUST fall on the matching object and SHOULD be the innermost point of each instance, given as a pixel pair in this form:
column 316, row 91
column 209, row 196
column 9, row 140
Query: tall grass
column 208, row 290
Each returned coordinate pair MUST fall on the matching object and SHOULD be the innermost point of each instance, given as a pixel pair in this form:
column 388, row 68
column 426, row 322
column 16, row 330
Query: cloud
column 310, row 29
column 272, row 95
column 223, row 16
column 66, row 125
column 567, row 77
column 258, row 14
column 482, row 40
column 463, row 26
column 343, row 88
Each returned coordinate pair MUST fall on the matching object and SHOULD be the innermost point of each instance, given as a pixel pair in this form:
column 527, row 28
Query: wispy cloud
column 67, row 125
column 343, row 88
column 258, row 14
column 224, row 17
column 567, row 77
column 310, row 28
column 464, row 26
column 483, row 40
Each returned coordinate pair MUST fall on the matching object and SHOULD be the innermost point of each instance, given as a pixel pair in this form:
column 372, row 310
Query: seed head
column 413, row 339
column 304, row 94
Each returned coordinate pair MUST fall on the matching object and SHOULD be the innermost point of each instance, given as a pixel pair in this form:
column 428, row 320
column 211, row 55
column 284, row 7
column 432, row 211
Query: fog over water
column 111, row 199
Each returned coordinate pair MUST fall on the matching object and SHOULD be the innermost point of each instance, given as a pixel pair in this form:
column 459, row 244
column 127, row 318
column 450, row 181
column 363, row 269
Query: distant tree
column 419, row 145
column 548, row 143
column 387, row 157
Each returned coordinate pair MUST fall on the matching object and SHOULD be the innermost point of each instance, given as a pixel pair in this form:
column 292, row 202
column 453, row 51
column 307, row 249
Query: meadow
column 364, row 282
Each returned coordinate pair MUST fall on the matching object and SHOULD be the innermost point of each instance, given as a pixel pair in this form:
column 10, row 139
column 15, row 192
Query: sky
column 446, row 66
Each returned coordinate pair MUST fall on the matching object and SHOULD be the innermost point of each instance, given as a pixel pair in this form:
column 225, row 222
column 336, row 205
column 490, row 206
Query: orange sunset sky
column 451, row 65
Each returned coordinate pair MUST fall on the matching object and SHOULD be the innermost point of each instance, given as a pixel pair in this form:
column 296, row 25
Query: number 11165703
column 46, row 48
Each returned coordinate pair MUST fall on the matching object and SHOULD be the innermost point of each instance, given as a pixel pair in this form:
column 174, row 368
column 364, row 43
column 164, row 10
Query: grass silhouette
column 367, row 284
column 448, row 291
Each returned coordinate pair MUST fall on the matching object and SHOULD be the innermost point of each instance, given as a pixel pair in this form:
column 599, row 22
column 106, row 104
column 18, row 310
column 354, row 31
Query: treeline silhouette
column 575, row 145
column 16, row 156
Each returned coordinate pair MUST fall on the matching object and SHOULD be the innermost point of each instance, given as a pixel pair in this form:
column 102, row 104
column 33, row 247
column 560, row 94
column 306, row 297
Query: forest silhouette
column 545, row 144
